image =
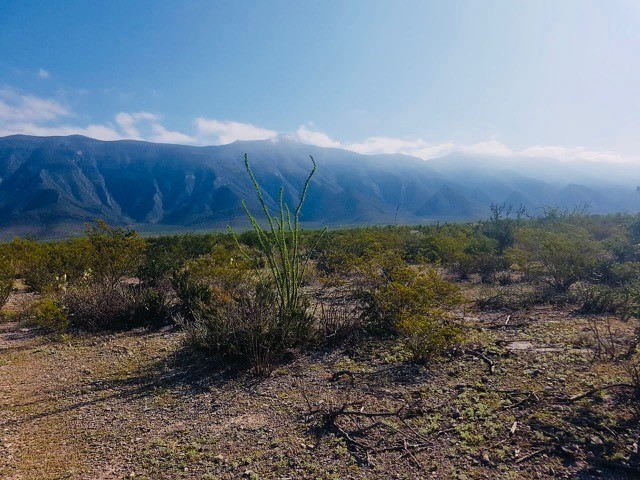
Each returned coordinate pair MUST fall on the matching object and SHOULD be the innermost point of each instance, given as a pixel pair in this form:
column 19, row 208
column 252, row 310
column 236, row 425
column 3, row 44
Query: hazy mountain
column 51, row 186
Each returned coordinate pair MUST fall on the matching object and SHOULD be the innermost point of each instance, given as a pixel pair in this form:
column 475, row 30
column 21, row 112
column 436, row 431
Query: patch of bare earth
column 134, row 405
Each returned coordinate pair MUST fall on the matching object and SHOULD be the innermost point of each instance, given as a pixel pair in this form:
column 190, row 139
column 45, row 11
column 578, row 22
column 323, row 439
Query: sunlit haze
column 505, row 78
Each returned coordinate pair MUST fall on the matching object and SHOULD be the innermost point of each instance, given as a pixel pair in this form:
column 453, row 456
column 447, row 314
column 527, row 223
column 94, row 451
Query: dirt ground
column 137, row 405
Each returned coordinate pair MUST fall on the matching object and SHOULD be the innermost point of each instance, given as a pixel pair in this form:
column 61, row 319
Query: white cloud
column 44, row 74
column 127, row 121
column 101, row 132
column 491, row 148
column 32, row 115
column 223, row 131
column 306, row 135
column 576, row 154
column 162, row 135
column 18, row 107
column 22, row 113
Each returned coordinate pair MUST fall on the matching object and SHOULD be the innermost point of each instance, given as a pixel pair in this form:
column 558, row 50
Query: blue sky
column 555, row 78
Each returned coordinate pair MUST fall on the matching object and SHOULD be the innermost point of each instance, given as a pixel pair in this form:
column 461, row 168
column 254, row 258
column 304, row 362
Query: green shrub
column 116, row 253
column 167, row 254
column 415, row 305
column 426, row 336
column 558, row 258
column 6, row 278
column 501, row 226
column 46, row 313
column 205, row 284
column 602, row 299
column 49, row 267
column 394, row 289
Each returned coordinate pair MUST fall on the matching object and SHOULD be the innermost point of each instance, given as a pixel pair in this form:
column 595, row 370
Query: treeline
column 401, row 282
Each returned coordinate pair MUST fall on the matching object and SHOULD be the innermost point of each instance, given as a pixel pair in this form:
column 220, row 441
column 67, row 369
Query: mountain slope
column 51, row 185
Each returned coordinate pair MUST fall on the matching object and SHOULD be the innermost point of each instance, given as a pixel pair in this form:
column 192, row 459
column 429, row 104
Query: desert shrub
column 6, row 278
column 485, row 264
column 510, row 298
column 251, row 329
column 557, row 258
column 337, row 324
column 167, row 254
column 602, row 299
column 6, row 285
column 115, row 252
column 195, row 298
column 207, row 283
column 427, row 336
column 47, row 313
column 605, row 345
column 48, row 267
column 501, row 227
column 253, row 319
column 102, row 306
column 342, row 252
column 615, row 274
column 504, row 278
column 446, row 244
column 416, row 306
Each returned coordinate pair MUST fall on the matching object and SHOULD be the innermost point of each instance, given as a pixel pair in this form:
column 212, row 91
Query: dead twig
column 486, row 360
column 530, row 456
column 599, row 389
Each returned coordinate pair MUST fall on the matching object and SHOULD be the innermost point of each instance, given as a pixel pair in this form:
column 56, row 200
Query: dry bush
column 596, row 299
column 337, row 324
column 101, row 306
column 511, row 298
column 604, row 338
column 250, row 329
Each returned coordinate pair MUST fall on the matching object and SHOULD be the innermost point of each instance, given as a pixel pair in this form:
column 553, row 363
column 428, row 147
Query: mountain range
column 51, row 186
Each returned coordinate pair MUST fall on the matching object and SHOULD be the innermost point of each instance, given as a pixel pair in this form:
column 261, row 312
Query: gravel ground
column 138, row 405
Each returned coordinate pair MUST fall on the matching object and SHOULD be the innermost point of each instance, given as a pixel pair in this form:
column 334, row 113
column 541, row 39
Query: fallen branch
column 486, row 359
column 599, row 389
column 530, row 456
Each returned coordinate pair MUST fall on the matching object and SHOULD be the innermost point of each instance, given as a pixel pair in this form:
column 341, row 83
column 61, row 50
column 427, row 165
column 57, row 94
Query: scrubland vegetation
column 506, row 348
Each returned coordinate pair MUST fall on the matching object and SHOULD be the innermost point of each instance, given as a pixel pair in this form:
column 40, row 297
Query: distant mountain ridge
column 51, row 186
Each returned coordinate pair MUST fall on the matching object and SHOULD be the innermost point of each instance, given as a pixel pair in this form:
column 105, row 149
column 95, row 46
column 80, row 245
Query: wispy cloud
column 22, row 113
column 223, row 131
column 491, row 148
column 101, row 132
column 306, row 135
column 162, row 135
column 44, row 74
column 17, row 107
column 127, row 122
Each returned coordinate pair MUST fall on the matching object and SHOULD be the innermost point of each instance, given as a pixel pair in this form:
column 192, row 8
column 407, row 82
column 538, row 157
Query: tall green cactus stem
column 280, row 243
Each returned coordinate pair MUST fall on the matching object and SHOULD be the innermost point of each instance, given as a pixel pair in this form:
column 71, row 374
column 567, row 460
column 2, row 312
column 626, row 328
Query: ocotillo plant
column 280, row 245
